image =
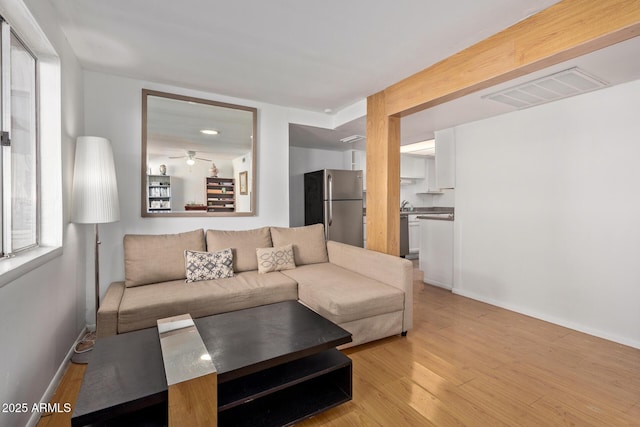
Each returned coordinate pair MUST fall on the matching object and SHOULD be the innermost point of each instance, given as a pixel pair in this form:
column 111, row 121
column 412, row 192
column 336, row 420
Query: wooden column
column 383, row 177
column 566, row 30
column 194, row 402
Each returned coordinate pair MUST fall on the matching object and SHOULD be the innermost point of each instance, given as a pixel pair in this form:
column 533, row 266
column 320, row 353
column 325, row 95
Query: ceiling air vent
column 352, row 138
column 564, row 84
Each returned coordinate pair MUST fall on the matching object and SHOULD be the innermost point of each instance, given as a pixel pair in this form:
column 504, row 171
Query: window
column 32, row 199
column 19, row 149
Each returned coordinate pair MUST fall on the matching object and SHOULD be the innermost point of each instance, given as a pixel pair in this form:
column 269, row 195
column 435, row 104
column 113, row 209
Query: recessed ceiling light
column 425, row 148
column 209, row 131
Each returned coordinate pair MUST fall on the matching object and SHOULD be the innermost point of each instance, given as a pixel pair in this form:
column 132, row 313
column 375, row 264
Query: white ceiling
column 615, row 64
column 310, row 55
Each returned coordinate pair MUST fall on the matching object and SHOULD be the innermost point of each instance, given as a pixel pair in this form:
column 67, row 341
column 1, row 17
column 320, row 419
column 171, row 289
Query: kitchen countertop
column 423, row 211
column 427, row 211
column 437, row 218
column 435, row 213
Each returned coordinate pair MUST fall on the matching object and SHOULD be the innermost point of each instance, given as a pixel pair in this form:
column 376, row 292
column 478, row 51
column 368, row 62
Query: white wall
column 410, row 189
column 302, row 160
column 113, row 110
column 42, row 312
column 548, row 212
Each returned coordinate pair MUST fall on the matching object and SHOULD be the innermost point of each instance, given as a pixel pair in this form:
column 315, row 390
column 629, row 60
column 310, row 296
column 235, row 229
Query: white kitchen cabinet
column 359, row 162
column 414, row 234
column 436, row 252
column 413, row 167
column 430, row 184
column 445, row 162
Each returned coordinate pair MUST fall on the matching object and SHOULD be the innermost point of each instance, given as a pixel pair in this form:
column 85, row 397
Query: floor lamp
column 95, row 201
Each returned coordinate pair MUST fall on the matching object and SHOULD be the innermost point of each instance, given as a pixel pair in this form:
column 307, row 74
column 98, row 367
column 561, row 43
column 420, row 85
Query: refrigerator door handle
column 330, row 219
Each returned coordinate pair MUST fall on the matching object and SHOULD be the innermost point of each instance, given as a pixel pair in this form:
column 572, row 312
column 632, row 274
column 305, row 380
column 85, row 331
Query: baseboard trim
column 551, row 319
column 437, row 283
column 55, row 381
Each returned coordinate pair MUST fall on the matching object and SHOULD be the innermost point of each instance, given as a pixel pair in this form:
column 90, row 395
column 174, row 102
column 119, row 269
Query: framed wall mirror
column 198, row 157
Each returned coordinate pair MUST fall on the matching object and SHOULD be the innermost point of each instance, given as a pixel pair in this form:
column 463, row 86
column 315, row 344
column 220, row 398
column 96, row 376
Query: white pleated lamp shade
column 95, row 190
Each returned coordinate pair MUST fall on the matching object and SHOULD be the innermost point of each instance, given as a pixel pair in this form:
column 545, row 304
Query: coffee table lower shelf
column 288, row 393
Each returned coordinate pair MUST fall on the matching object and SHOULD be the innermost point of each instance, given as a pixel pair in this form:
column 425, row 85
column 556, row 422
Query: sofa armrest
column 107, row 322
column 388, row 269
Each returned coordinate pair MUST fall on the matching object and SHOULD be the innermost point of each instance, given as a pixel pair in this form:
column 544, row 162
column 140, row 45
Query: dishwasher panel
column 404, row 235
column 436, row 251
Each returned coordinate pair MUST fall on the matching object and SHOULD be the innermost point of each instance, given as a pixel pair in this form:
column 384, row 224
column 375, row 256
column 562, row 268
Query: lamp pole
column 97, row 270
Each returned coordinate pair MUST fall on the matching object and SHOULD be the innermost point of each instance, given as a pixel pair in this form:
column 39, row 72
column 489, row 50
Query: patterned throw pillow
column 208, row 265
column 275, row 259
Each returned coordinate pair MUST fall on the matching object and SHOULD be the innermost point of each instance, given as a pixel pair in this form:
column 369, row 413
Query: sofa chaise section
column 358, row 301
column 388, row 269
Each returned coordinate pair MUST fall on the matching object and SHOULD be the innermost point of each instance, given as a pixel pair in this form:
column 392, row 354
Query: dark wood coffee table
column 277, row 364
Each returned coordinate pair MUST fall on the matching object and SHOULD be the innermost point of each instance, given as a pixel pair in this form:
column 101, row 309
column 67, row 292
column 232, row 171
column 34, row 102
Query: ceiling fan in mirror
column 191, row 158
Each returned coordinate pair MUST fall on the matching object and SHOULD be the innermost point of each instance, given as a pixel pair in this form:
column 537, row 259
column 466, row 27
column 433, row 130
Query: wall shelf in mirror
column 195, row 141
column 221, row 195
column 158, row 193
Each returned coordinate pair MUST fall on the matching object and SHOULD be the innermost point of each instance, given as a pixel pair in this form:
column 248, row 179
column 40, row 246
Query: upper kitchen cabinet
column 445, row 161
column 412, row 167
column 357, row 160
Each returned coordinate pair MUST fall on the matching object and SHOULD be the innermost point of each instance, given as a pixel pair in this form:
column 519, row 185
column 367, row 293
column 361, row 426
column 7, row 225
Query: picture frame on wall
column 243, row 183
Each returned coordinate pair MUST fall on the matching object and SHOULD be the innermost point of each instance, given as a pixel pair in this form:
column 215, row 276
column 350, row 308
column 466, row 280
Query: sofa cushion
column 158, row 258
column 275, row 259
column 309, row 246
column 208, row 265
column 341, row 295
column 142, row 306
column 243, row 244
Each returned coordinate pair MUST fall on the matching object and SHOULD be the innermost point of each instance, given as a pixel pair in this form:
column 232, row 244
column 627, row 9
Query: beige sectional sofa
column 365, row 292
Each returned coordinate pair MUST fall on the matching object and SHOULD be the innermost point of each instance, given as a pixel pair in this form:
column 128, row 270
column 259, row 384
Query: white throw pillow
column 275, row 259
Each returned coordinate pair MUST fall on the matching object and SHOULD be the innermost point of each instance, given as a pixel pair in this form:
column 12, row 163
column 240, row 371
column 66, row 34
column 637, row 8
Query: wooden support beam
column 383, row 177
column 566, row 30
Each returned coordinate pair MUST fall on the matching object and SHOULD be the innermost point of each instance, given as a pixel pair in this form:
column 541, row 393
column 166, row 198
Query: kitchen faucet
column 403, row 204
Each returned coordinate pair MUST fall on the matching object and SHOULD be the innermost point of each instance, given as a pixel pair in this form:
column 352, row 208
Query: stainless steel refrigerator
column 333, row 197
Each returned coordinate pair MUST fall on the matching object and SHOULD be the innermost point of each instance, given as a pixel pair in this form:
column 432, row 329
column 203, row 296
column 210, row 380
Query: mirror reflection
column 198, row 156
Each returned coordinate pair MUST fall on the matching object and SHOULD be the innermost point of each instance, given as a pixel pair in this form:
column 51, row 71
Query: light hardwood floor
column 470, row 363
